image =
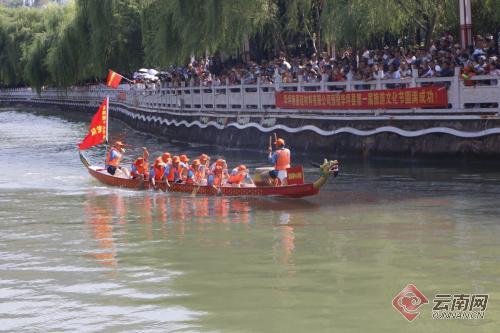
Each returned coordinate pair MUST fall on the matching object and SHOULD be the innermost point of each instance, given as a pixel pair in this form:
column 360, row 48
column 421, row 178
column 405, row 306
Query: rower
column 218, row 172
column 157, row 172
column 281, row 161
column 138, row 169
column 166, row 158
column 172, row 170
column 204, row 165
column 193, row 173
column 114, row 157
column 238, row 176
column 140, row 166
column 183, row 166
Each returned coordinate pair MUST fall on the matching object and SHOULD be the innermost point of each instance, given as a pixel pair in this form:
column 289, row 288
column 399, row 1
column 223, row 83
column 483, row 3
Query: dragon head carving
column 329, row 167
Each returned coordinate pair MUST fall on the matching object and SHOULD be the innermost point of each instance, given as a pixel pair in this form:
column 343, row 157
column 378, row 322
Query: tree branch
column 411, row 14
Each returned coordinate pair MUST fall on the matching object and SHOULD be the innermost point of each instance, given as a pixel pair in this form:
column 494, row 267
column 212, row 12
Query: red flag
column 97, row 130
column 113, row 79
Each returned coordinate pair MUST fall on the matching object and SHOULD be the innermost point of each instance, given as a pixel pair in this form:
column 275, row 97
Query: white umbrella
column 143, row 70
column 152, row 71
column 150, row 77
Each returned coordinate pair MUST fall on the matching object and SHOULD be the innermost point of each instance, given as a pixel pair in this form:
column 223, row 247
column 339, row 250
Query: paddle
column 195, row 191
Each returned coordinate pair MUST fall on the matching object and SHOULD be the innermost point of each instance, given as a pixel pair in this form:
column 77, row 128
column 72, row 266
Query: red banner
column 406, row 98
column 295, row 175
column 97, row 130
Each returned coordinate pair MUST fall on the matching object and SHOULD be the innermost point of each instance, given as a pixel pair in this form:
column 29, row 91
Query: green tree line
column 76, row 43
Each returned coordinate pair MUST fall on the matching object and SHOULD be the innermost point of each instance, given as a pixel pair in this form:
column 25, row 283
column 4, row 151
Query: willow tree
column 35, row 54
column 176, row 29
column 356, row 22
column 8, row 56
column 429, row 16
column 486, row 16
column 17, row 28
column 78, row 42
column 69, row 57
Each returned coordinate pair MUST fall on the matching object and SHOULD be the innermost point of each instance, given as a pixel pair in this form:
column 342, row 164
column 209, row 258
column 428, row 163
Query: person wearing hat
column 239, row 175
column 184, row 166
column 139, row 168
column 218, row 173
column 166, row 158
column 157, row 171
column 193, row 173
column 172, row 170
column 114, row 157
column 281, row 160
column 204, row 166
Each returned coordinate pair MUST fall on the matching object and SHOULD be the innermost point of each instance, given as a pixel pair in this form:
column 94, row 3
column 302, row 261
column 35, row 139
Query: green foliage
column 176, row 29
column 80, row 41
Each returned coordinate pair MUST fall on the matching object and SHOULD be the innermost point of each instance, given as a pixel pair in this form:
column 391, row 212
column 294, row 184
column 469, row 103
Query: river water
column 77, row 256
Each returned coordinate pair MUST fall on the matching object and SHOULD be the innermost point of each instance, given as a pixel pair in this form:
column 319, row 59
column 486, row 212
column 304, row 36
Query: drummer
column 281, row 160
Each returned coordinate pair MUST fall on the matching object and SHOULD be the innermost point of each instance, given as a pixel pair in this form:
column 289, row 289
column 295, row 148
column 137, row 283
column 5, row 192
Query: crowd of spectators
column 440, row 60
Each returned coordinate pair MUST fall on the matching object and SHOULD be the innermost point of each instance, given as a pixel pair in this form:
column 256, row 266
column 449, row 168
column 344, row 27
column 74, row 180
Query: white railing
column 481, row 96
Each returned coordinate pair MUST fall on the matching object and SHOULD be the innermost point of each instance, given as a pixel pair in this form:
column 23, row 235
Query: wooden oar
column 195, row 191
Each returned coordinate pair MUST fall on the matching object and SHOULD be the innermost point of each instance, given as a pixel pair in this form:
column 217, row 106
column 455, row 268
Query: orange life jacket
column 171, row 173
column 174, row 173
column 116, row 161
column 236, row 178
column 283, row 160
column 159, row 172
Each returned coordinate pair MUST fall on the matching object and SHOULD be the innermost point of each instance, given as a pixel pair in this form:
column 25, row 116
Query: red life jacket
column 283, row 160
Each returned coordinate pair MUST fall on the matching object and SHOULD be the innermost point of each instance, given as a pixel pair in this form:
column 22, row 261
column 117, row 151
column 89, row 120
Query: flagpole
column 107, row 122
column 107, row 117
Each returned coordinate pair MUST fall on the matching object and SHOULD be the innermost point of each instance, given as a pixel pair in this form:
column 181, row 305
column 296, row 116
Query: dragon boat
column 298, row 189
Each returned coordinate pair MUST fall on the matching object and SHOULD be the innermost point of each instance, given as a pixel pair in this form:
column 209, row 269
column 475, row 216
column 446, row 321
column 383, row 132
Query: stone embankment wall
column 468, row 128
